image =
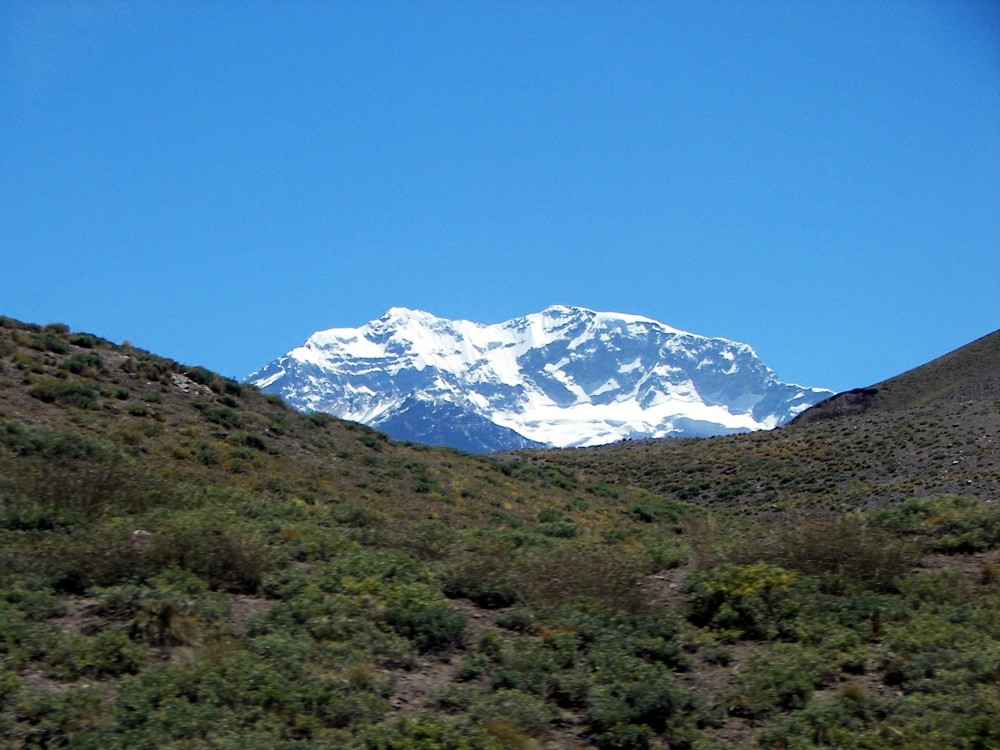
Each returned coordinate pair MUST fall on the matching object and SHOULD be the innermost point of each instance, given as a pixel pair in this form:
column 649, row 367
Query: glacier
column 563, row 377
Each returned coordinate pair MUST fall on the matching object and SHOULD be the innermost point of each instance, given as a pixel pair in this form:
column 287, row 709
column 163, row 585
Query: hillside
column 186, row 562
column 968, row 374
column 155, row 422
column 932, row 430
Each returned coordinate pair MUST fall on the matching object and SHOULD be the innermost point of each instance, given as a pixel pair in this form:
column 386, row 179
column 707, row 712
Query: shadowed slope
column 971, row 372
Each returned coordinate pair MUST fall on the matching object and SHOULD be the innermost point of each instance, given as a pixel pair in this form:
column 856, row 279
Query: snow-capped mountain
column 566, row 376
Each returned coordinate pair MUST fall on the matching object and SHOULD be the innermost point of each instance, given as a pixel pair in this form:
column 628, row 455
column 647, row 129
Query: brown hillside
column 155, row 422
column 970, row 373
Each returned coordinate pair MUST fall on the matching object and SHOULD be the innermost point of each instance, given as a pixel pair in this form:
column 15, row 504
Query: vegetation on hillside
column 187, row 563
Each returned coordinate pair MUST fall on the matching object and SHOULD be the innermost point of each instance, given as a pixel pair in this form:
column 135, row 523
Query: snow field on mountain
column 566, row 376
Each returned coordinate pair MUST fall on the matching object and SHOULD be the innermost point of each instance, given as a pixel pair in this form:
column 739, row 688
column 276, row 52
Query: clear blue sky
column 213, row 181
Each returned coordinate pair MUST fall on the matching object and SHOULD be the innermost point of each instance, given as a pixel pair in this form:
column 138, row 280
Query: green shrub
column 357, row 516
column 559, row 530
column 837, row 722
column 220, row 415
column 18, row 643
column 426, row 619
column 745, row 601
column 317, row 419
column 949, row 523
column 527, row 712
column 471, row 667
column 525, row 664
column 107, row 654
column 35, row 602
column 85, row 340
column 781, row 678
column 249, row 440
column 200, row 375
column 46, row 341
column 10, row 683
column 641, row 513
column 944, row 645
column 232, row 387
column 376, row 441
column 65, row 394
column 83, row 363
column 46, row 720
column 205, row 453
column 630, row 700
column 549, row 515
column 268, row 690
column 625, row 737
column 426, row 733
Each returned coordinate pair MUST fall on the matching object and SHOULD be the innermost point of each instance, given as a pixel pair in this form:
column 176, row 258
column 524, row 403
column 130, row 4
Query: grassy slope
column 188, row 563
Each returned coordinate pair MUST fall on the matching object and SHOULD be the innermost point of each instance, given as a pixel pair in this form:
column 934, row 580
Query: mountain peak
column 404, row 313
column 604, row 318
column 565, row 311
column 564, row 376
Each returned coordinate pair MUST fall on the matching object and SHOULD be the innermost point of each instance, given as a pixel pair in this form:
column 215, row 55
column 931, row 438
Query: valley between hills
column 187, row 562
